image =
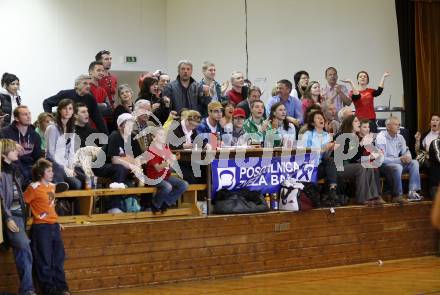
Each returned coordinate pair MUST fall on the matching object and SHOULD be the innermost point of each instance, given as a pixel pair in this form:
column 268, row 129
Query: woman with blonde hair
column 43, row 120
column 124, row 101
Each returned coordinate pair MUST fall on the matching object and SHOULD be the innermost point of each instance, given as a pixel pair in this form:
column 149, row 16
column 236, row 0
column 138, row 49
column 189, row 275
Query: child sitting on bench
column 159, row 160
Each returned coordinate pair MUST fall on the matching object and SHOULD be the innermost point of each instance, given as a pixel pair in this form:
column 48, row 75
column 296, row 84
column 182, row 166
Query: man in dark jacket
column 22, row 132
column 81, row 93
column 185, row 92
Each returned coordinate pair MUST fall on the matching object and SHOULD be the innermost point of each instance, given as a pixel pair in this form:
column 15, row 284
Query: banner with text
column 262, row 174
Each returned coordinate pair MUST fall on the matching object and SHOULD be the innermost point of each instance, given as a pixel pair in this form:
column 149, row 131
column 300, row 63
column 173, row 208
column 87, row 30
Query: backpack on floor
column 293, row 197
column 237, row 202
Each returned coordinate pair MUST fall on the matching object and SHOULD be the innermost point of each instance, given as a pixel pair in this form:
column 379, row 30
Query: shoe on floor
column 400, row 200
column 414, row 196
column 115, row 211
column 380, row 201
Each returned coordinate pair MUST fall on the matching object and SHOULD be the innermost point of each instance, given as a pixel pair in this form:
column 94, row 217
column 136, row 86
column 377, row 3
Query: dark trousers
column 327, row 169
column 117, row 173
column 75, row 183
column 48, row 251
column 22, row 254
column 373, row 126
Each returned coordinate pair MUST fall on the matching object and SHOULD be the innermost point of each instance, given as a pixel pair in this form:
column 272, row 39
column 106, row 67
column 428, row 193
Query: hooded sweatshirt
column 30, row 142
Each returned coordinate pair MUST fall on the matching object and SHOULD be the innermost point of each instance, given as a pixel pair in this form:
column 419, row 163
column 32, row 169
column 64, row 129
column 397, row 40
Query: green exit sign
column 130, row 59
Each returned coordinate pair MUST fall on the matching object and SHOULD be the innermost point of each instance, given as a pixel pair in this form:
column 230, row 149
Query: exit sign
column 130, row 59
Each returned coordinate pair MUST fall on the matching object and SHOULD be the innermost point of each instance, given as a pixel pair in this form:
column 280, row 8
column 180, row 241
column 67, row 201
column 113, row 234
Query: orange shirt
column 41, row 198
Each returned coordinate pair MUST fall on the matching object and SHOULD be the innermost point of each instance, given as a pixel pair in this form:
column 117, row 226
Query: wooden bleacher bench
column 405, row 176
column 187, row 206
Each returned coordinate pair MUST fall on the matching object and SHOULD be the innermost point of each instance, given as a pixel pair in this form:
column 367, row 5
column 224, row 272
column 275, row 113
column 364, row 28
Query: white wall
column 285, row 36
column 47, row 43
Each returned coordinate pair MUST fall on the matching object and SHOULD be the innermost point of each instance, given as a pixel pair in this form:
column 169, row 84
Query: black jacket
column 175, row 142
column 6, row 107
column 87, row 99
column 162, row 112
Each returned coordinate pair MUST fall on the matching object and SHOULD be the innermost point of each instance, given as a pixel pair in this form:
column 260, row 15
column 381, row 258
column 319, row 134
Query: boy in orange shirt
column 47, row 244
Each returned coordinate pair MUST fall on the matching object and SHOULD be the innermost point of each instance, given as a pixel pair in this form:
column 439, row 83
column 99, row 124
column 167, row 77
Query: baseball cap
column 124, row 117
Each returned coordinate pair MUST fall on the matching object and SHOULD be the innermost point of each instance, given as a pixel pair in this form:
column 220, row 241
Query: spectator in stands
column 14, row 215
column 424, row 151
column 255, row 125
column 282, row 132
column 23, row 132
column 82, row 127
column 211, row 124
column 109, row 82
column 142, row 124
column 398, row 157
column 344, row 113
column 238, row 133
column 182, row 135
column 239, row 91
column 44, row 119
column 81, row 93
column 60, row 140
column 164, row 80
column 47, row 243
column 301, row 80
column 254, row 94
column 185, row 92
column 422, row 146
column 228, row 110
column 291, row 104
column 333, row 92
column 9, row 97
column 365, row 179
column 160, row 106
column 124, row 102
column 308, row 111
column 311, row 96
column 124, row 150
column 317, row 137
column 96, row 72
column 215, row 89
column 363, row 97
column 330, row 113
column 185, row 130
column 169, row 188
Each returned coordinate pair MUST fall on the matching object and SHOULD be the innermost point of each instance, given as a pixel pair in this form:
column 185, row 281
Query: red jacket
column 98, row 92
column 109, row 83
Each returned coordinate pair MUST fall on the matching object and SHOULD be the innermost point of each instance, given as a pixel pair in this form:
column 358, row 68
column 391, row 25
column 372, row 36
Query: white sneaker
column 414, row 196
column 115, row 211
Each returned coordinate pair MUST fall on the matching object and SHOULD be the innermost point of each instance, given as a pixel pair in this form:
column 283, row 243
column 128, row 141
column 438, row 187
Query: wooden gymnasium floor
column 408, row 276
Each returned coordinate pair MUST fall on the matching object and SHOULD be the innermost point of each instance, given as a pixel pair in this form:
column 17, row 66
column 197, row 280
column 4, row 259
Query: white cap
column 124, row 117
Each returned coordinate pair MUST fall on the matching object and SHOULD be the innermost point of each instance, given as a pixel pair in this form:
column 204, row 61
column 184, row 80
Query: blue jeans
column 23, row 255
column 48, row 249
column 168, row 191
column 393, row 175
